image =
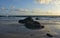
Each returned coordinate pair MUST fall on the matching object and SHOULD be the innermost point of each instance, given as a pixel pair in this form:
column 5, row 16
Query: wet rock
column 29, row 19
column 31, row 24
column 42, row 26
column 21, row 21
column 26, row 20
column 34, row 25
column 49, row 35
column 37, row 19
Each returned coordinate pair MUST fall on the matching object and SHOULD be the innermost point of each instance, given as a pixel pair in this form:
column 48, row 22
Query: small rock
column 22, row 21
column 49, row 35
column 37, row 18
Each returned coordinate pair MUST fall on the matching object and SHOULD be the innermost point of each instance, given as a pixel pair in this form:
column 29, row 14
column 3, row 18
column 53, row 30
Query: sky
column 29, row 7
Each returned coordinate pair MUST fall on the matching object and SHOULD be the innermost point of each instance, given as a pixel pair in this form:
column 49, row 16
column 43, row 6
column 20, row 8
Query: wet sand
column 16, row 30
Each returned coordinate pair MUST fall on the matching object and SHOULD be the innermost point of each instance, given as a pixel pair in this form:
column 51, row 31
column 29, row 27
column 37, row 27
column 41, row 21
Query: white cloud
column 3, row 9
column 35, row 11
column 20, row 10
column 44, row 1
column 57, row 2
column 12, row 7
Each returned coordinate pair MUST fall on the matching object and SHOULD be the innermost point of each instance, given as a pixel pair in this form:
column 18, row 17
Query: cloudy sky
column 29, row 7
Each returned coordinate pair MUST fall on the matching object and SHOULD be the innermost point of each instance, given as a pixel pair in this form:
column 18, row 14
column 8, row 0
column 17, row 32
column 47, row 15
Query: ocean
column 10, row 25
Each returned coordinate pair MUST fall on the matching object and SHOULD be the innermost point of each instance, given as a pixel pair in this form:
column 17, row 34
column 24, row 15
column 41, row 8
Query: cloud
column 57, row 3
column 12, row 7
column 20, row 10
column 3, row 9
column 35, row 11
column 43, row 1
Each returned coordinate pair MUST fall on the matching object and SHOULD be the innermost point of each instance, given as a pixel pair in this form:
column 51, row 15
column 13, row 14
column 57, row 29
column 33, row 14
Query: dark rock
column 31, row 34
column 33, row 25
column 26, row 20
column 22, row 21
column 29, row 19
column 37, row 19
column 49, row 35
column 42, row 26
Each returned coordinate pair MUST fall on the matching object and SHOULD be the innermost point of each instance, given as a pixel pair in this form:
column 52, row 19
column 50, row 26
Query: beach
column 13, row 29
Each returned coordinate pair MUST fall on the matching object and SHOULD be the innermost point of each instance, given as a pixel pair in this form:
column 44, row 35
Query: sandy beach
column 10, row 28
column 17, row 30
